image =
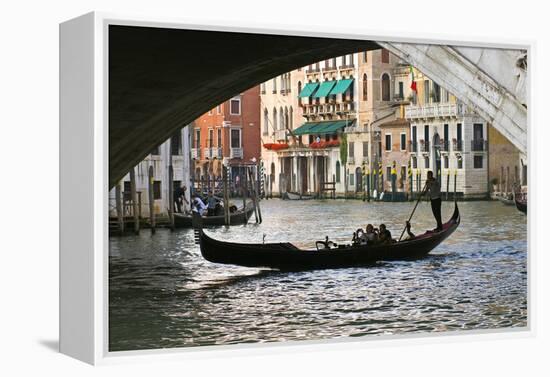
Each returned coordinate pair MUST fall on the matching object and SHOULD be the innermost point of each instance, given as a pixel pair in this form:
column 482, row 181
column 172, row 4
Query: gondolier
column 433, row 188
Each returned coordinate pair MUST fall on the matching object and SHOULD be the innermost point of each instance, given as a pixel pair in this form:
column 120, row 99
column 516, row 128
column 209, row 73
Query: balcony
column 434, row 110
column 351, row 160
column 313, row 70
column 425, row 146
column 347, row 66
column 479, row 145
column 236, row 153
column 458, row 145
column 207, row 153
column 444, row 145
column 215, row 153
column 195, row 153
column 413, row 146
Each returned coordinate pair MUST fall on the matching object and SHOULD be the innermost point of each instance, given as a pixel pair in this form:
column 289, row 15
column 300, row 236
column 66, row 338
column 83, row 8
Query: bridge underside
column 162, row 79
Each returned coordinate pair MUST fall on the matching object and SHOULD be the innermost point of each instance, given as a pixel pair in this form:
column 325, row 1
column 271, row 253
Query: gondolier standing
column 434, row 191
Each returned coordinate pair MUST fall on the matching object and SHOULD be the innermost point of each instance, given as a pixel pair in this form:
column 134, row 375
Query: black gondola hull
column 238, row 218
column 285, row 256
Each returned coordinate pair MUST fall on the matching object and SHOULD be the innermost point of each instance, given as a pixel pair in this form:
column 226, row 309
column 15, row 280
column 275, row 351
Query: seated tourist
column 385, row 235
column 198, row 206
column 371, row 237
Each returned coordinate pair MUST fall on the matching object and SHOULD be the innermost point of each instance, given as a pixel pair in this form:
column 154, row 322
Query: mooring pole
column 151, row 200
column 134, row 200
column 257, row 200
column 448, row 179
column 171, row 196
column 454, row 195
column 225, row 196
column 119, row 208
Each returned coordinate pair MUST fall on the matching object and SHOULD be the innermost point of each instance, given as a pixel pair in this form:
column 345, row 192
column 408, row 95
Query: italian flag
column 413, row 83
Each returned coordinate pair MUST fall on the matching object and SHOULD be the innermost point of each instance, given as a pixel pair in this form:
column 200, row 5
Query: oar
column 414, row 209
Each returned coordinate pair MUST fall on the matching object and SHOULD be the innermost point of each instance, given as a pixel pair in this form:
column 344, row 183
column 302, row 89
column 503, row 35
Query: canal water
column 162, row 293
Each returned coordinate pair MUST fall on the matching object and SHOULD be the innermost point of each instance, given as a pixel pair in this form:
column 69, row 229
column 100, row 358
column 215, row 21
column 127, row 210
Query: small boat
column 506, row 200
column 287, row 257
column 521, row 202
column 296, row 196
column 238, row 217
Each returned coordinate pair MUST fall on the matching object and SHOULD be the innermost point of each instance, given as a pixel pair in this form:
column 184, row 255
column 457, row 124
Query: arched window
column 351, row 60
column 338, row 171
column 286, row 118
column 281, row 119
column 283, row 83
column 291, row 125
column 266, row 122
column 275, row 85
column 365, row 87
column 385, row 87
column 274, row 119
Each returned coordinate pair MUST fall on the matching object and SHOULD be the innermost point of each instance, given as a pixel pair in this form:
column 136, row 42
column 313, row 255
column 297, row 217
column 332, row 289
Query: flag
column 413, row 83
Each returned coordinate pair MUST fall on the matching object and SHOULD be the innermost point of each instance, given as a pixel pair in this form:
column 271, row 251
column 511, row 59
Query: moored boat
column 506, row 200
column 286, row 256
column 521, row 202
column 238, row 217
column 296, row 196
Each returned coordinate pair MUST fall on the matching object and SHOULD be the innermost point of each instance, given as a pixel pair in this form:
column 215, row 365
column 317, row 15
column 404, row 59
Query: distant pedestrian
column 434, row 191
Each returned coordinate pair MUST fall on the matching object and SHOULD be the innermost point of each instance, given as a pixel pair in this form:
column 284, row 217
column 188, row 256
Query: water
column 163, row 294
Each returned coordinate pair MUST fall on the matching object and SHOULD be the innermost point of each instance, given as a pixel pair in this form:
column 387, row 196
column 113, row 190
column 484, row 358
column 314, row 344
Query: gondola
column 505, row 200
column 521, row 202
column 237, row 218
column 287, row 257
column 296, row 196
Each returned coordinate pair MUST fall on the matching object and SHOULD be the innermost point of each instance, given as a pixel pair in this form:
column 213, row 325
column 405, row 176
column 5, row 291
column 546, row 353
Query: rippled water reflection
column 163, row 294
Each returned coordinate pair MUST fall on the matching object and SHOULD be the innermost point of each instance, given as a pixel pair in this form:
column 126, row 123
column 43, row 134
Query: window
column 275, row 119
column 197, row 138
column 426, row 134
column 351, row 59
column 291, row 123
column 235, row 138
column 219, row 109
column 426, row 162
column 281, row 119
column 414, row 134
column 478, row 162
column 235, row 106
column 262, row 88
column 274, row 85
column 210, row 138
column 283, row 83
column 365, row 56
column 426, row 91
column 333, row 63
column 401, row 90
column 351, row 151
column 403, row 141
column 365, row 87
column 156, row 190
column 365, row 148
column 446, row 162
column 219, row 144
column 385, row 56
column 388, row 142
column 385, row 87
column 266, row 122
column 156, row 151
column 414, row 162
column 337, row 171
column 388, row 173
column 286, row 118
column 459, row 162
column 344, row 60
column 175, row 143
column 351, row 179
column 436, row 92
column 446, row 132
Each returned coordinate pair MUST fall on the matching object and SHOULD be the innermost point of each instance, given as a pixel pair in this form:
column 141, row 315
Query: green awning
column 308, row 90
column 325, row 89
column 322, row 128
column 341, row 86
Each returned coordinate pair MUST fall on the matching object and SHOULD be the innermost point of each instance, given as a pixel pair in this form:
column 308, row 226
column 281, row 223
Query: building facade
column 175, row 152
column 227, row 135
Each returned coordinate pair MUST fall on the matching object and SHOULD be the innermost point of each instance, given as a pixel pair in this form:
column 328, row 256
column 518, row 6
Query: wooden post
column 257, row 210
column 151, row 200
column 454, row 195
column 500, row 181
column 507, row 180
column 134, row 200
column 171, row 196
column 119, row 208
column 448, row 178
column 243, row 193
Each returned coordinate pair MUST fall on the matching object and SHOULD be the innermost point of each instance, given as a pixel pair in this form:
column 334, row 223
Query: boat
column 506, row 200
column 521, row 202
column 287, row 257
column 238, row 217
column 296, row 196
